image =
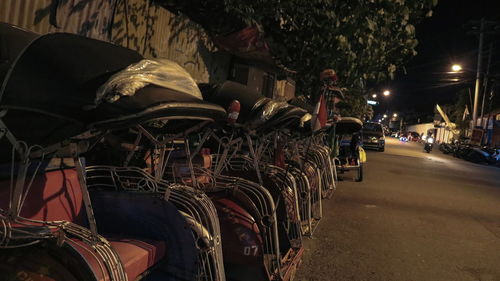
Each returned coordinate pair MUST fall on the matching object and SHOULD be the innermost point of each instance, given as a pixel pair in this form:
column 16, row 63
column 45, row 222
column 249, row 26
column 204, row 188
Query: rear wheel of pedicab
column 359, row 177
column 44, row 262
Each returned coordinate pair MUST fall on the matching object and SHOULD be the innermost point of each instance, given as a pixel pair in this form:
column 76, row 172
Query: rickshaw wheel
column 360, row 173
column 36, row 266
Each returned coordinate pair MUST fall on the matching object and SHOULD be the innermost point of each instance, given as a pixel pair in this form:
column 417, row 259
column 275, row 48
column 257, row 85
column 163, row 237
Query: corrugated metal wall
column 29, row 14
column 155, row 32
column 136, row 24
column 90, row 18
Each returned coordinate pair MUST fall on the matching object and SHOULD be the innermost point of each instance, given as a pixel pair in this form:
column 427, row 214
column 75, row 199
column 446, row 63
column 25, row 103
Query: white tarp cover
column 159, row 72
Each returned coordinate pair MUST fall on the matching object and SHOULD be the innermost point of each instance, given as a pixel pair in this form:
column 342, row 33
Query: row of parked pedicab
column 115, row 167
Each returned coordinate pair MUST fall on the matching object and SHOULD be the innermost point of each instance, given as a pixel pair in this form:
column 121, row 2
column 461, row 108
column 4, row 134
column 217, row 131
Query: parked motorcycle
column 429, row 142
column 468, row 152
column 446, row 148
column 481, row 155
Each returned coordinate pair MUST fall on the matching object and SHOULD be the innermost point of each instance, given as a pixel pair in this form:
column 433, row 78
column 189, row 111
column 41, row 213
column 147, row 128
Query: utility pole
column 470, row 98
column 478, row 73
column 492, row 94
column 485, row 85
column 485, row 27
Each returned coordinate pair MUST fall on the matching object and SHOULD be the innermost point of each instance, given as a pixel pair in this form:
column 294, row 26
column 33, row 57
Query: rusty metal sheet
column 137, row 24
column 88, row 18
column 84, row 17
column 29, row 14
column 156, row 32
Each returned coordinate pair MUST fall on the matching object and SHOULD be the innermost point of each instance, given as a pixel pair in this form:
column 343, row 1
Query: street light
column 385, row 115
column 386, row 93
column 395, row 115
column 374, row 96
column 456, row 68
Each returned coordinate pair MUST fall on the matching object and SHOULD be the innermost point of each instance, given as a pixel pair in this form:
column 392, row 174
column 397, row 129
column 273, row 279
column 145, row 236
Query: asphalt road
column 416, row 216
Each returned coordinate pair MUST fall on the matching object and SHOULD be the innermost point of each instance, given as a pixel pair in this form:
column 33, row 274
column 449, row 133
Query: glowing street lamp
column 385, row 115
column 395, row 115
column 456, row 68
column 374, row 96
column 386, row 93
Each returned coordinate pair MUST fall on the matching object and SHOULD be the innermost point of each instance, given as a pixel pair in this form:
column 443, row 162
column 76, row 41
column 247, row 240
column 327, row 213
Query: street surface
column 415, row 217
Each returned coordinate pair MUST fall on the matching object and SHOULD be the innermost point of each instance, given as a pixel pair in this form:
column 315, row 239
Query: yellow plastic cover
column 362, row 155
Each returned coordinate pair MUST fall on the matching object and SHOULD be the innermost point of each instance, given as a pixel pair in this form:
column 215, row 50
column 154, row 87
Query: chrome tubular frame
column 292, row 225
column 264, row 205
column 16, row 231
column 314, row 175
column 196, row 207
column 321, row 155
column 304, row 199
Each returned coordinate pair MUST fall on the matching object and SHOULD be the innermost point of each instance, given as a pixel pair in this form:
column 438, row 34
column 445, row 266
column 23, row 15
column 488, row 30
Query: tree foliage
column 363, row 40
column 355, row 105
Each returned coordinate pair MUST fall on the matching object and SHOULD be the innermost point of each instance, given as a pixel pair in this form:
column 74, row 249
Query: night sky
column 443, row 40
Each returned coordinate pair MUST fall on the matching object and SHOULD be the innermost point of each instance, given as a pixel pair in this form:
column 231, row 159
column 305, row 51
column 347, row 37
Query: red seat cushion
column 137, row 255
column 54, row 195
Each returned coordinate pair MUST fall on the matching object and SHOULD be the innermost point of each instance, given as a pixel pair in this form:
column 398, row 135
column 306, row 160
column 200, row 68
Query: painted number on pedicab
column 250, row 250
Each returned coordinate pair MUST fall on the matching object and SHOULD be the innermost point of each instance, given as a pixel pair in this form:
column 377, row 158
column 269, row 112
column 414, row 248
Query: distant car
column 413, row 136
column 373, row 136
column 403, row 136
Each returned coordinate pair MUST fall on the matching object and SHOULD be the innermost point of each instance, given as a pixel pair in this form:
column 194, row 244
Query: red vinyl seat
column 53, row 196
column 56, row 195
column 136, row 255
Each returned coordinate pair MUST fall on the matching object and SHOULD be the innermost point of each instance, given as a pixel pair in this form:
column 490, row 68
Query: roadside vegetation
column 364, row 41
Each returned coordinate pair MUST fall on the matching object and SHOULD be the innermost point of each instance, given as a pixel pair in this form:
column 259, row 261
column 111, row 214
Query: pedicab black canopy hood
column 52, row 85
column 12, row 41
column 348, row 125
column 257, row 111
column 52, row 81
